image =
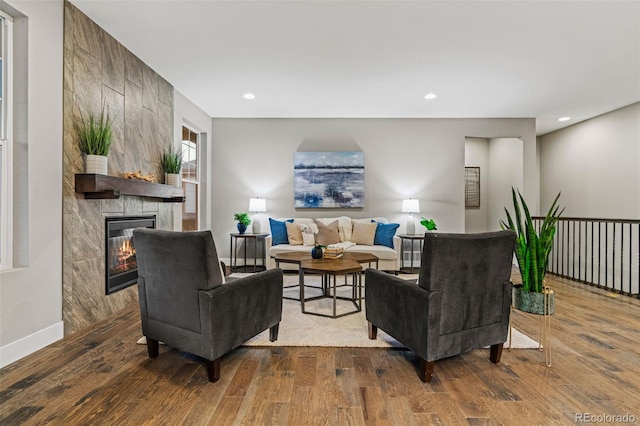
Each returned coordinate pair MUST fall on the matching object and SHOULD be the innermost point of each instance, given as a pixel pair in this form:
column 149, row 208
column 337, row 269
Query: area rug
column 298, row 329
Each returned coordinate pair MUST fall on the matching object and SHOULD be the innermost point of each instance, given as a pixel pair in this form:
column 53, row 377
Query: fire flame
column 124, row 258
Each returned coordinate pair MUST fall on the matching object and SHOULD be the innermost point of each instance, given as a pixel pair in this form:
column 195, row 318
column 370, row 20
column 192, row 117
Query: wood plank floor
column 100, row 376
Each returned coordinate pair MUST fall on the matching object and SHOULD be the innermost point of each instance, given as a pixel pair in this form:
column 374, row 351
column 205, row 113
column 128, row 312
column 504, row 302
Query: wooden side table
column 411, row 239
column 256, row 238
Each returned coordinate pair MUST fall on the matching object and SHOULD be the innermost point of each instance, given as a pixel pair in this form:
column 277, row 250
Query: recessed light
column 249, row 96
column 564, row 118
column 430, row 96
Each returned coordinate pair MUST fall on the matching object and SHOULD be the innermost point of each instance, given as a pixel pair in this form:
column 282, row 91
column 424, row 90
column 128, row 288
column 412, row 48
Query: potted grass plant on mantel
column 532, row 252
column 171, row 165
column 94, row 137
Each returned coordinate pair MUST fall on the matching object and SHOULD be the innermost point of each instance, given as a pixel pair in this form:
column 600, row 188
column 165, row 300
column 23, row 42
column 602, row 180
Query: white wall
column 187, row 113
column 476, row 154
column 596, row 166
column 31, row 296
column 419, row 158
column 505, row 172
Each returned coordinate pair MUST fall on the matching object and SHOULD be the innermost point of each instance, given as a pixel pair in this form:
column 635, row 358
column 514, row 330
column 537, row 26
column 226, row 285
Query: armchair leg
column 273, row 333
column 373, row 331
column 213, row 369
column 496, row 353
column 152, row 347
column 426, row 370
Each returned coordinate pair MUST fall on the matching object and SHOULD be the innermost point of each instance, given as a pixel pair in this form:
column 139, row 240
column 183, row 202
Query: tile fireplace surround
column 99, row 70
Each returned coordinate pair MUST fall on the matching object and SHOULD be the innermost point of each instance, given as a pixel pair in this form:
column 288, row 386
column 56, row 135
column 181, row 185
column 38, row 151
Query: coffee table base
column 300, row 279
column 330, row 292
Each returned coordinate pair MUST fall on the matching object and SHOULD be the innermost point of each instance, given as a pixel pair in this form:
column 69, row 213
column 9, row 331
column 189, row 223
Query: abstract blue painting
column 328, row 179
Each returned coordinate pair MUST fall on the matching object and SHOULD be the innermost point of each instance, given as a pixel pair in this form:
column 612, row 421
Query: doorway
column 499, row 162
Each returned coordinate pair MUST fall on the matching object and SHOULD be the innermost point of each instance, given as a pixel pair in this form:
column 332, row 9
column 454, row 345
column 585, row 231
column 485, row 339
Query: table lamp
column 411, row 206
column 257, row 205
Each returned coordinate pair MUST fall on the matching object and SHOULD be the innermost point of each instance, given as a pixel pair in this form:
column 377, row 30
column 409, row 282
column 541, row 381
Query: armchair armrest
column 403, row 310
column 239, row 310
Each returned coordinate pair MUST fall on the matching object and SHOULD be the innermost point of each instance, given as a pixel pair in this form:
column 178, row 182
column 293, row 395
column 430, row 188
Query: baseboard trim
column 29, row 344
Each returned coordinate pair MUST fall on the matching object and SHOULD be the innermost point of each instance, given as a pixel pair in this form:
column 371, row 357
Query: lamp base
column 257, row 226
column 411, row 226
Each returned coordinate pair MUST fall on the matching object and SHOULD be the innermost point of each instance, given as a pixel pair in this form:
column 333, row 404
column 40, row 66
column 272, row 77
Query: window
column 5, row 142
column 190, row 179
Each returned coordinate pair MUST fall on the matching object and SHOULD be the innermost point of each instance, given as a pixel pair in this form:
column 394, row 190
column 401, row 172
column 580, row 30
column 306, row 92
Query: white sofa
column 389, row 258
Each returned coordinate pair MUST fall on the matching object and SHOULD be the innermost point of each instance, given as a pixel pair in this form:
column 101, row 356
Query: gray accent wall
column 98, row 71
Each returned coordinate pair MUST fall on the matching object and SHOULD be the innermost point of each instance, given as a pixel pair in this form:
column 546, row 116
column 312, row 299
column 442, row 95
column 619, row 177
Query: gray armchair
column 184, row 303
column 462, row 300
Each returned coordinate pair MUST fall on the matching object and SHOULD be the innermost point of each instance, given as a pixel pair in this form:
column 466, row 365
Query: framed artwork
column 472, row 187
column 328, row 179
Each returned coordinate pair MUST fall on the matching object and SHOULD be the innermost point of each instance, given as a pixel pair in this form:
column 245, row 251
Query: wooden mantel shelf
column 110, row 187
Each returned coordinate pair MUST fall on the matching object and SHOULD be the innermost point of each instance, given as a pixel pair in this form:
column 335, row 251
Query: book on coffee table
column 333, row 252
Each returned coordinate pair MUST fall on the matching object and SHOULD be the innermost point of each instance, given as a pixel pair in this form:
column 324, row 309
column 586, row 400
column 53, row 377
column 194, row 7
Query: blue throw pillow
column 279, row 232
column 385, row 233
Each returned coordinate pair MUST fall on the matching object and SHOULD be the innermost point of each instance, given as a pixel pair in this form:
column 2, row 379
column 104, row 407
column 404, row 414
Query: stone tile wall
column 99, row 71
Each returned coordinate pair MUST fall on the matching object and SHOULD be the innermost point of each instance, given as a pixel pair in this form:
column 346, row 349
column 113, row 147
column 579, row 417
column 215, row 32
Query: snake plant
column 532, row 248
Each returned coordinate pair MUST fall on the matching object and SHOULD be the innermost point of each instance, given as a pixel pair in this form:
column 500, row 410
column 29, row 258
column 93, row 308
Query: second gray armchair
column 461, row 302
column 184, row 303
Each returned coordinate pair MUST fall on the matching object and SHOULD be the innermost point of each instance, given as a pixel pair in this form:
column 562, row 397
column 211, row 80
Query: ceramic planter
column 173, row 179
column 95, row 164
column 316, row 252
column 528, row 301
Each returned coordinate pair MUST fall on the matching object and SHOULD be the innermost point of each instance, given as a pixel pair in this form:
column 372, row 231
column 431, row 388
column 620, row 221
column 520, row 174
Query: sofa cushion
column 383, row 252
column 294, row 234
column 385, row 233
column 279, row 231
column 327, row 234
column 364, row 233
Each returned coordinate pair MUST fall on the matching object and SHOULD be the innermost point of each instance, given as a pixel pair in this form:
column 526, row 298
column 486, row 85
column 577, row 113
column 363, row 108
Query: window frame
column 196, row 179
column 6, row 137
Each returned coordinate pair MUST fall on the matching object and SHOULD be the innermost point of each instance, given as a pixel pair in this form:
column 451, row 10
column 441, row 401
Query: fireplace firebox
column 121, row 267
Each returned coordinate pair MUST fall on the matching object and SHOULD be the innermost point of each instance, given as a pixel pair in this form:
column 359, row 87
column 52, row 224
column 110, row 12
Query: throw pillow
column 294, row 234
column 328, row 234
column 308, row 236
column 364, row 233
column 278, row 232
column 385, row 233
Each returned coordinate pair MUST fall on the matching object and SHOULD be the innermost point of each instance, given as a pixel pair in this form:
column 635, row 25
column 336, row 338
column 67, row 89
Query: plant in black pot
column 532, row 251
column 243, row 221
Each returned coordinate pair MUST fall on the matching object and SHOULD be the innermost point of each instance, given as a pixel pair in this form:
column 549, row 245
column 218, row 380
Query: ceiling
column 540, row 59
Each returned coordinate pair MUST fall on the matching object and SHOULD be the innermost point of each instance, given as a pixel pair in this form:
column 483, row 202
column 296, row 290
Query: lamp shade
column 410, row 206
column 257, row 205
